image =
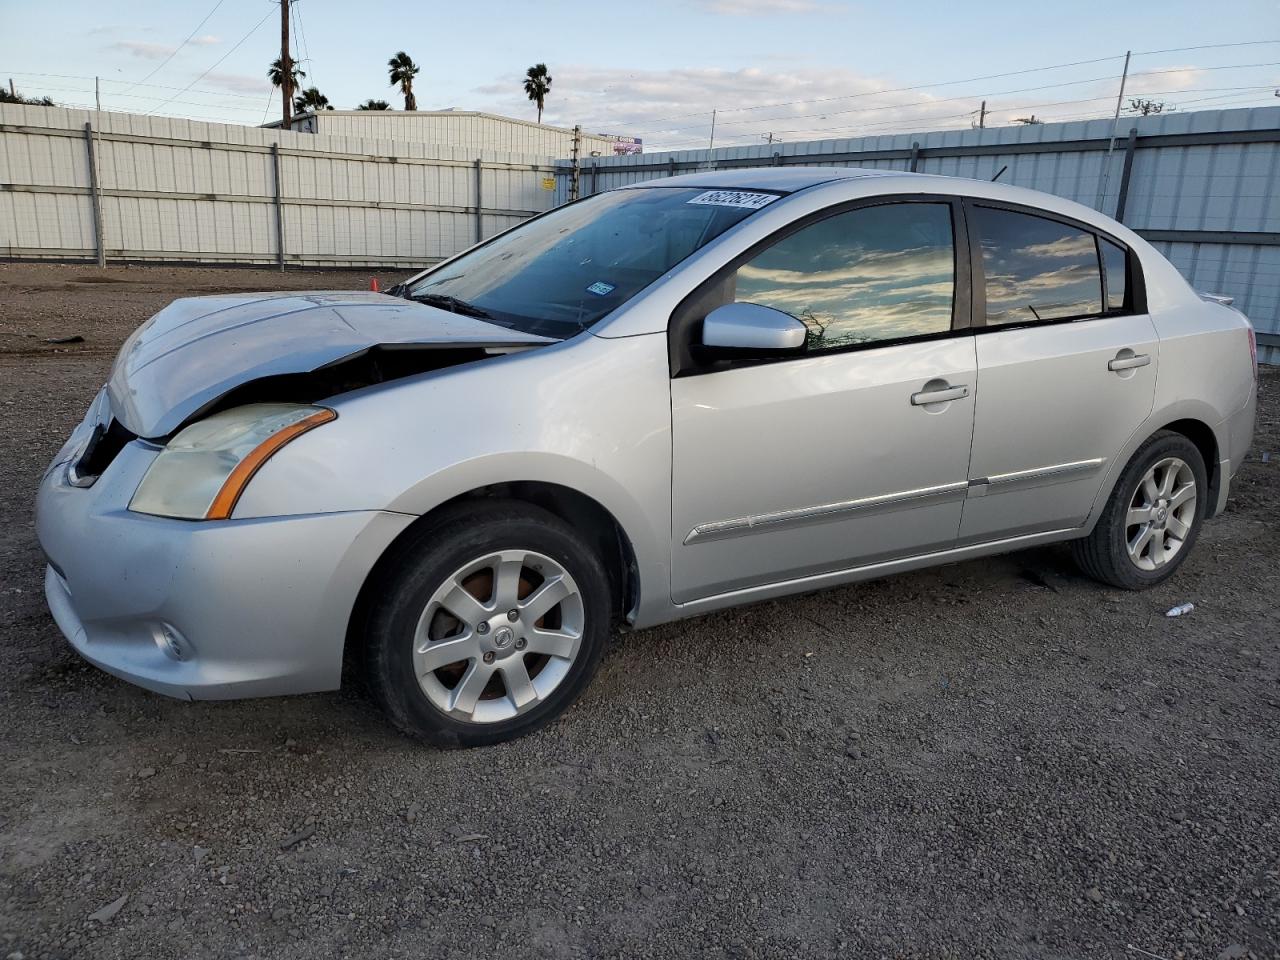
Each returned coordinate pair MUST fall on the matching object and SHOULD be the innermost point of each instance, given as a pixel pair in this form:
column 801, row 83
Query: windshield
column 564, row 271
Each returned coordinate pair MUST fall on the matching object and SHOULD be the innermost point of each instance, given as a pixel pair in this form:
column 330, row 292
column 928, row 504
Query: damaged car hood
column 199, row 349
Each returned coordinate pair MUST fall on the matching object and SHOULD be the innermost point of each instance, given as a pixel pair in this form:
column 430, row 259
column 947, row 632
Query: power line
column 994, row 76
column 252, row 31
column 153, row 86
column 181, row 45
column 914, row 124
column 974, row 96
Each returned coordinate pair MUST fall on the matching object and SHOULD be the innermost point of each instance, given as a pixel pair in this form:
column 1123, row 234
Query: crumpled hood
column 199, row 348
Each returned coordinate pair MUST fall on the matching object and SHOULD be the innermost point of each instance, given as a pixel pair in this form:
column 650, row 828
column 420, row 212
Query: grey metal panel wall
column 206, row 192
column 1213, row 208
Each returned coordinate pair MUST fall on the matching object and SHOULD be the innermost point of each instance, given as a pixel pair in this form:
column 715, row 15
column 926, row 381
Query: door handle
column 941, row 395
column 1129, row 363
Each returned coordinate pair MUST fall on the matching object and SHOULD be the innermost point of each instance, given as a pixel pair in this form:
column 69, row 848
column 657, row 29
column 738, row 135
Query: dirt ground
column 992, row 759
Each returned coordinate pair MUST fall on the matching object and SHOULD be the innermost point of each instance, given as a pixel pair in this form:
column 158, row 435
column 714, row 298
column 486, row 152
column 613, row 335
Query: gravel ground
column 991, row 759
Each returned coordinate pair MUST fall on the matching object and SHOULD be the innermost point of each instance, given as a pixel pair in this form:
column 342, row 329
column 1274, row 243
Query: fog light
column 172, row 643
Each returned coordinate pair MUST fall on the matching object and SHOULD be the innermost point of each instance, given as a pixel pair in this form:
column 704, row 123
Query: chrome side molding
column 865, row 506
column 1035, row 477
column 822, row 513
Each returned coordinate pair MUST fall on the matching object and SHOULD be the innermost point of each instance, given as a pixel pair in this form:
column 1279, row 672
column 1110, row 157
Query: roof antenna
column 999, row 172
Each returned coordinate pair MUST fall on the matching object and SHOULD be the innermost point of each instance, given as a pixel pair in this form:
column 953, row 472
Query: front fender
column 590, row 414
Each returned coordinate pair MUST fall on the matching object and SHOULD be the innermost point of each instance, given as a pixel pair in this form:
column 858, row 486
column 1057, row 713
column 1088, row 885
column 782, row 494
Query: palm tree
column 276, row 75
column 374, row 105
column 537, row 84
column 311, row 100
column 403, row 70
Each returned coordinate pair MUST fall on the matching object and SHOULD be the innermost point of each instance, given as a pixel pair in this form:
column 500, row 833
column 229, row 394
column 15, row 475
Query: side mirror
column 750, row 326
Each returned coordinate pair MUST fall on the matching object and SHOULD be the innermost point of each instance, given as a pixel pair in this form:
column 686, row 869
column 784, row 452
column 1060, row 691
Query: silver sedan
column 659, row 401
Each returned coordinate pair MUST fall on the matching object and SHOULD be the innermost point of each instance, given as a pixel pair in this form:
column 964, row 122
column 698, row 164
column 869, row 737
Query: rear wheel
column 491, row 625
column 1152, row 519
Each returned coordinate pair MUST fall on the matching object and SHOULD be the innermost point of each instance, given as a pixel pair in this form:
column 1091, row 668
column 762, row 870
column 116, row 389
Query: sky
column 787, row 69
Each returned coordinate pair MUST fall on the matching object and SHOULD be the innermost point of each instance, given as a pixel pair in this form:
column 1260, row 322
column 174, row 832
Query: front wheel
column 1152, row 519
column 491, row 624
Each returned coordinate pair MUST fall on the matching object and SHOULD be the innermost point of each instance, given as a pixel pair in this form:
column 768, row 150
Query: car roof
column 780, row 179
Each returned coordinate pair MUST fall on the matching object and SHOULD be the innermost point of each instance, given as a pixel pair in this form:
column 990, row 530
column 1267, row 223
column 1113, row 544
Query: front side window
column 563, row 272
column 876, row 273
column 1036, row 269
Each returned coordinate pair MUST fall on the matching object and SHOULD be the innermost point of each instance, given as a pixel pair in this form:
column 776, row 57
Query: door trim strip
column 822, row 513
column 1035, row 477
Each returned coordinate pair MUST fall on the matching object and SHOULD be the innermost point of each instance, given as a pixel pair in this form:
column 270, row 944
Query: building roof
column 786, row 179
column 407, row 114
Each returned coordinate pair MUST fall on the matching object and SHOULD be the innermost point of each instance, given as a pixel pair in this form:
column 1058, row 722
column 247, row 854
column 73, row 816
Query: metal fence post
column 1126, row 173
column 479, row 200
column 95, row 196
column 915, row 157
column 275, row 163
column 575, row 169
column 595, row 178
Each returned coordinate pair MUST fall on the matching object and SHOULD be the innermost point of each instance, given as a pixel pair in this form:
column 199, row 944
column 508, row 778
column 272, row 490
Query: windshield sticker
column 734, row 198
column 600, row 288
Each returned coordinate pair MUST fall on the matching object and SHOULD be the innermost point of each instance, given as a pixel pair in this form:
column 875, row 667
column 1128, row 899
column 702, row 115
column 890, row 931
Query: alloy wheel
column 1161, row 513
column 498, row 636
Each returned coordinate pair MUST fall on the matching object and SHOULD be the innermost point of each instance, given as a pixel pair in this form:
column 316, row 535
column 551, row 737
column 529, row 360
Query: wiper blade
column 452, row 304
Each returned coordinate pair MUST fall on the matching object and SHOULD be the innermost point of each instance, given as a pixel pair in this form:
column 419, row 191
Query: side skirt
column 834, row 578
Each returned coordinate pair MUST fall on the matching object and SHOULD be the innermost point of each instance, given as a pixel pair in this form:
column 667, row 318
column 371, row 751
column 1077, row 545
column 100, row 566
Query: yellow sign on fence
column 548, row 183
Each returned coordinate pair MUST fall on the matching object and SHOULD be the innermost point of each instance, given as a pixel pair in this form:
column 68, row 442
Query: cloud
column 147, row 51
column 672, row 108
column 759, row 8
column 207, row 40
column 238, row 82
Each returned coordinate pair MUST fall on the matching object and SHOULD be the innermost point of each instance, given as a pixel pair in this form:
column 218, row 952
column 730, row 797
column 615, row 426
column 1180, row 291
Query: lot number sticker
column 600, row 288
column 734, row 198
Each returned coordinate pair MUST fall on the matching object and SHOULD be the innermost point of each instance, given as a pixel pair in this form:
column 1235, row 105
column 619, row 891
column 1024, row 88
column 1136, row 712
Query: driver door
column 853, row 450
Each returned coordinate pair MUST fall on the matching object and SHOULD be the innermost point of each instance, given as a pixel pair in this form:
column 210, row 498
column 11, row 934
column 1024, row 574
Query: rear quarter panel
column 1205, row 371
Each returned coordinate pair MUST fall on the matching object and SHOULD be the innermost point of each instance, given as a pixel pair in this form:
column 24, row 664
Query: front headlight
column 202, row 471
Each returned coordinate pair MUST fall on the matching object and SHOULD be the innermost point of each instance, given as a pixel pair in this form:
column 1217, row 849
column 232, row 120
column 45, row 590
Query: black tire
column 1104, row 554
column 435, row 551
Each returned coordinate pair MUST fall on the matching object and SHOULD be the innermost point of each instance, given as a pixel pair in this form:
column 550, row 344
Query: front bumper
column 207, row 609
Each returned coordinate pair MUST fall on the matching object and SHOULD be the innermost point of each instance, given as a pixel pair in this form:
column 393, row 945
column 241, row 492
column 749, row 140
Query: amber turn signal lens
column 225, row 502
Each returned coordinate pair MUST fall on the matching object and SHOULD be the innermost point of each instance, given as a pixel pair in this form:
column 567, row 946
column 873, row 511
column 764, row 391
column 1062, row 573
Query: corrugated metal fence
column 1203, row 187
column 176, row 190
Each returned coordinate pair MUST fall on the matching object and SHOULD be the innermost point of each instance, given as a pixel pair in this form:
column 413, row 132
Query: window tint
column 558, row 274
column 1036, row 269
column 878, row 273
column 1114, row 261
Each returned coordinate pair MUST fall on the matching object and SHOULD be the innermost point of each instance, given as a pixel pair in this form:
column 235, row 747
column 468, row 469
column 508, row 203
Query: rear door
column 1067, row 358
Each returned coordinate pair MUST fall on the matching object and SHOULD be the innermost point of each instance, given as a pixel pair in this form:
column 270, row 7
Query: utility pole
column 97, row 97
column 14, row 93
column 770, row 138
column 286, row 65
column 982, row 116
column 711, row 144
column 574, row 170
column 1115, row 121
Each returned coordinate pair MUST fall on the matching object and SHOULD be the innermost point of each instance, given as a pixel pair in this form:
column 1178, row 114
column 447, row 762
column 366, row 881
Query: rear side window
column 1036, row 269
column 1115, row 263
column 885, row 272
